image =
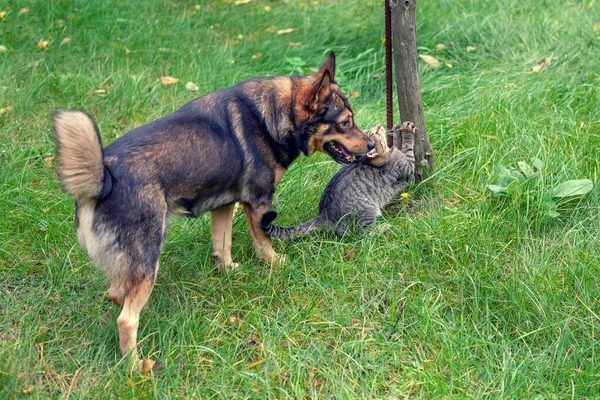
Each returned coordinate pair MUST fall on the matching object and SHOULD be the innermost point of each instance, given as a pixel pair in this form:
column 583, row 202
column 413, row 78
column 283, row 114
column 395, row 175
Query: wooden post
column 410, row 102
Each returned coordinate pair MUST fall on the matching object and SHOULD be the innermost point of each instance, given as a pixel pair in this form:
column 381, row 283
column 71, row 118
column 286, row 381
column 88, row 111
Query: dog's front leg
column 221, row 226
column 262, row 242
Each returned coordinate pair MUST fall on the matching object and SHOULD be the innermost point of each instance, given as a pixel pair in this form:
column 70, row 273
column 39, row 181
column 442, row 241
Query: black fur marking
column 267, row 219
column 107, row 184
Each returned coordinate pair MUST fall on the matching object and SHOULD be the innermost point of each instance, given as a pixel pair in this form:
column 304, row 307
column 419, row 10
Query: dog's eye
column 345, row 124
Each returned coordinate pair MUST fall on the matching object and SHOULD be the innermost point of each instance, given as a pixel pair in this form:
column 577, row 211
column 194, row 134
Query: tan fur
column 279, row 172
column 129, row 318
column 262, row 242
column 99, row 246
column 80, row 167
column 221, row 227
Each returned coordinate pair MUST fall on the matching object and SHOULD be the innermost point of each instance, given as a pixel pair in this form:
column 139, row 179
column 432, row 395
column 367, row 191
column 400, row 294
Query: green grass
column 463, row 295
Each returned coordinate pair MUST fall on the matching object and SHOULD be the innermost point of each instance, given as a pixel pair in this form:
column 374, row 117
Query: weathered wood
column 410, row 102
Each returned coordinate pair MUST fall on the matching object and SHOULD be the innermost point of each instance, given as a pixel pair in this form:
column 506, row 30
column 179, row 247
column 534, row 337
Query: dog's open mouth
column 338, row 152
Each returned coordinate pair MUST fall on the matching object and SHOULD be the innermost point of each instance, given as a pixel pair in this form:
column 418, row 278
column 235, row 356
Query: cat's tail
column 81, row 169
column 292, row 232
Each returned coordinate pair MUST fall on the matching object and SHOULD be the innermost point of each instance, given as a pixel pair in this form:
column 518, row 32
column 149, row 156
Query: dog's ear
column 329, row 65
column 322, row 82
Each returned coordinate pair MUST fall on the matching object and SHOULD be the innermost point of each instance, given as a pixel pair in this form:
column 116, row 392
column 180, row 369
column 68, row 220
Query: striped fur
column 356, row 195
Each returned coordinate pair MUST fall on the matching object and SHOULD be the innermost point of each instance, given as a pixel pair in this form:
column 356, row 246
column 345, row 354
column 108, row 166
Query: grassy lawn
column 456, row 293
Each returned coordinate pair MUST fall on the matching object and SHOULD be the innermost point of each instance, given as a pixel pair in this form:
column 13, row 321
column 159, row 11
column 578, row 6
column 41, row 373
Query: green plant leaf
column 295, row 61
column 571, row 188
column 525, row 168
column 553, row 214
column 538, row 164
column 497, row 188
column 505, row 180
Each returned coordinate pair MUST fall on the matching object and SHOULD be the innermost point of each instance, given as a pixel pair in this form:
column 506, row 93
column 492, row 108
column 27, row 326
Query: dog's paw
column 223, row 266
column 227, row 268
column 408, row 127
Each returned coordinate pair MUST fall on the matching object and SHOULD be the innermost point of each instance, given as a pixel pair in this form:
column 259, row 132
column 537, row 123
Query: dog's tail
column 292, row 232
column 81, row 170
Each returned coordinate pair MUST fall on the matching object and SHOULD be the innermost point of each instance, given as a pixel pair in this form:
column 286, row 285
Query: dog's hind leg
column 221, row 226
column 128, row 321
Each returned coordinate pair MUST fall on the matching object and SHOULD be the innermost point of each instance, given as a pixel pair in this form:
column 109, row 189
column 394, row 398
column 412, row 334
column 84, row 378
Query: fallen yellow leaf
column 429, row 60
column 23, row 11
column 2, row 49
column 405, row 195
column 440, row 47
column 267, row 8
column 294, row 44
column 2, row 14
column 271, row 29
column 168, row 80
column 378, row 75
column 449, row 65
column 240, row 2
column 471, row 48
column 539, row 66
column 596, row 27
column 5, row 109
column 191, row 86
column 254, row 364
column 256, row 56
column 42, row 44
column 284, row 31
column 49, row 161
column 65, row 41
column 354, row 93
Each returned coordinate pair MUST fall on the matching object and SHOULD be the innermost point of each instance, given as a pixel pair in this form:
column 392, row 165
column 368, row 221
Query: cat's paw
column 408, row 127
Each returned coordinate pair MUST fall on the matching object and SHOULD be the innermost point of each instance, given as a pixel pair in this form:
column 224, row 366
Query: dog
column 229, row 146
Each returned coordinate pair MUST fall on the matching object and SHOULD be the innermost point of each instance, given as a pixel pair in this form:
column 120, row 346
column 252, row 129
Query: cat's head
column 381, row 153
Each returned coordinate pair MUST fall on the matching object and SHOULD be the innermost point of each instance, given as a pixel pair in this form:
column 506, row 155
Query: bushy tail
column 292, row 232
column 81, row 170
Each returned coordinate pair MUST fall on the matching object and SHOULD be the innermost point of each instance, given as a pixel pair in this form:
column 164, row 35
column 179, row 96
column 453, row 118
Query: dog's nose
column 370, row 144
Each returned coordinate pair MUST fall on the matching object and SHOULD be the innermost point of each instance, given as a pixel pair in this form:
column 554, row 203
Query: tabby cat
column 356, row 195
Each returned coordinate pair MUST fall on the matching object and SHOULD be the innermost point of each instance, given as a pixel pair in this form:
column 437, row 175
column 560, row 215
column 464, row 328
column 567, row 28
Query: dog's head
column 381, row 154
column 325, row 119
